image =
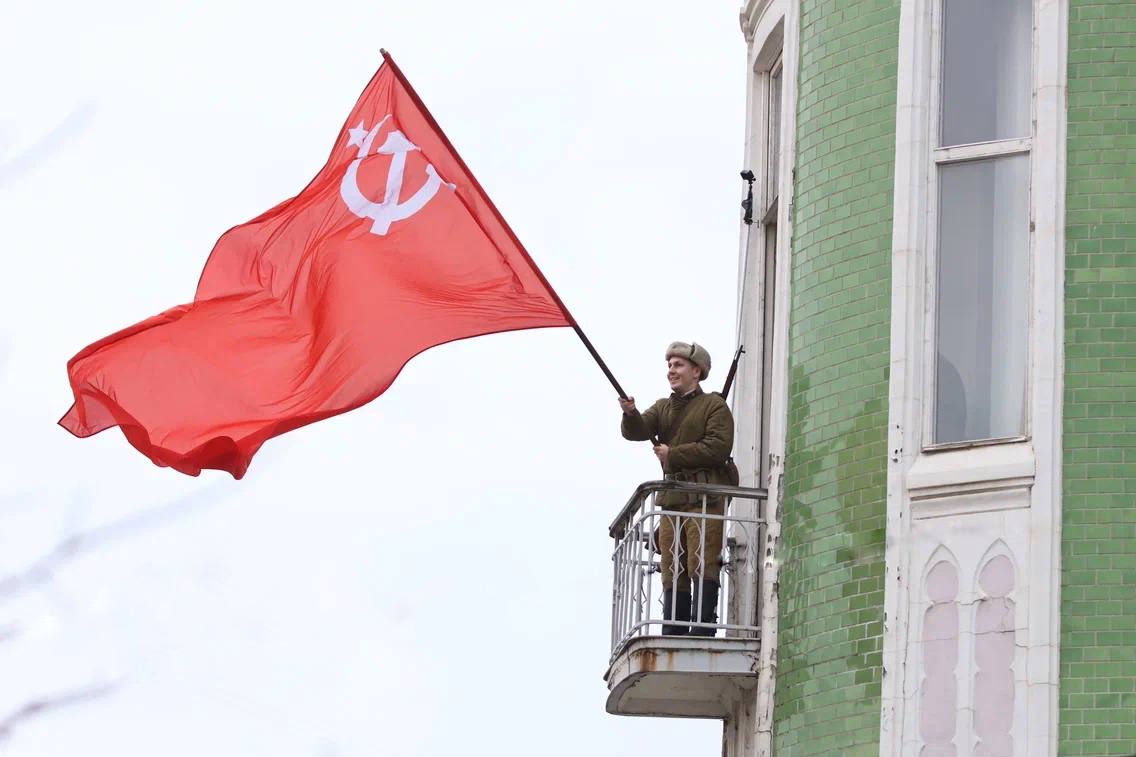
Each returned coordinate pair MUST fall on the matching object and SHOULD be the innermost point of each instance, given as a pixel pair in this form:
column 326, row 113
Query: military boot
column 706, row 597
column 679, row 603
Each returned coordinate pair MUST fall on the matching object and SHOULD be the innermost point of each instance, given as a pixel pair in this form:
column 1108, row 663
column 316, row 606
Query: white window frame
column 767, row 54
column 776, row 69
column 945, row 156
column 771, row 31
column 1010, row 480
column 770, row 211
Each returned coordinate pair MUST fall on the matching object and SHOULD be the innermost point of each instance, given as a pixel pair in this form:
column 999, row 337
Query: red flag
column 314, row 307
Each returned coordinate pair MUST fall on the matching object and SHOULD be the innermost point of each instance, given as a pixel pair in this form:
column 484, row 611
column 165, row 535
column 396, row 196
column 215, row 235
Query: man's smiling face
column 682, row 375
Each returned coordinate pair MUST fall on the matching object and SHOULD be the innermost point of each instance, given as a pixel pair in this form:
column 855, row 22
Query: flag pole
column 504, row 224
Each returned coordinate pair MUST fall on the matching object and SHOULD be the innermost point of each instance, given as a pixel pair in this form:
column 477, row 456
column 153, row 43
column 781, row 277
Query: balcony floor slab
column 675, row 676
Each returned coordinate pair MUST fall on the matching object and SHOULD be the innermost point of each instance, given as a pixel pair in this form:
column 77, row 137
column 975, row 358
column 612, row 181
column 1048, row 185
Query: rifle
column 725, row 393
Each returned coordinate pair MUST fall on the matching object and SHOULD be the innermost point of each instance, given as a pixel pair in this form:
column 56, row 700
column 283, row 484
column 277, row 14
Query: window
column 773, row 137
column 770, row 194
column 982, row 236
column 978, row 251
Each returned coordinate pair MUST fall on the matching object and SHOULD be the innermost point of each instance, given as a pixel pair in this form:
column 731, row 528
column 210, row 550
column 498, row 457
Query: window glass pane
column 769, row 305
column 773, row 160
column 982, row 300
column 986, row 70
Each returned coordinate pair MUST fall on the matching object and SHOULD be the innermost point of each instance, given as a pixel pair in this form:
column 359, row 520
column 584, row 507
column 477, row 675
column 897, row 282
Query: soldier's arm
column 639, row 427
column 713, row 449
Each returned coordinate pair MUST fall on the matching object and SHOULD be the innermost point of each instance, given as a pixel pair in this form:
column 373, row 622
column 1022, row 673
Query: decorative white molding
column 969, row 543
column 1005, row 494
column 938, row 690
column 1009, row 490
column 905, row 408
column 1047, row 370
column 749, row 16
column 770, row 28
column 962, row 467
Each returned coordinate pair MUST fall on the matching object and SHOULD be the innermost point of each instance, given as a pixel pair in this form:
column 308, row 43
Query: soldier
column 696, row 435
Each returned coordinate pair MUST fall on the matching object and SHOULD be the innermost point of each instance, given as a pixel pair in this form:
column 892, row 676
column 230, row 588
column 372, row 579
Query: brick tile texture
column 1097, row 698
column 832, row 569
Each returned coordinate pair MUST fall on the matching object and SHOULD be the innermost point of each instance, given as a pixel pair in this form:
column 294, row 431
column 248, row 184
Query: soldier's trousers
column 697, row 553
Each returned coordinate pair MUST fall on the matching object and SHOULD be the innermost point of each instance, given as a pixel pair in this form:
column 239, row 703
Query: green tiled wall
column 1098, row 560
column 833, row 514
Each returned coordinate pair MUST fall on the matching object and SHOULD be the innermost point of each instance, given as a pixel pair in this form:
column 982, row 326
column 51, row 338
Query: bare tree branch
column 37, row 707
column 41, row 570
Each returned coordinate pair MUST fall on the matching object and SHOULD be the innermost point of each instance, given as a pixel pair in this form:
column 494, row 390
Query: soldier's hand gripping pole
column 603, row 367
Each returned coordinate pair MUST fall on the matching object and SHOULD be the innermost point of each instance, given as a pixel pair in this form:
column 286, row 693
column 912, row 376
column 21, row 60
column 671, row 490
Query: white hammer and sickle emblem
column 390, row 209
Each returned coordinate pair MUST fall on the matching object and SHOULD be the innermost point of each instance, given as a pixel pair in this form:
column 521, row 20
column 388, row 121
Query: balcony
column 703, row 666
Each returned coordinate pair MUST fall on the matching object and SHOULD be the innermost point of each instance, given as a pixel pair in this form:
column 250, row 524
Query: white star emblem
column 358, row 134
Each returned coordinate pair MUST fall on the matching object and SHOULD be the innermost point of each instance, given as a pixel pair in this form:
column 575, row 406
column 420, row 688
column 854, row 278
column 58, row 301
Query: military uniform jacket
column 699, row 447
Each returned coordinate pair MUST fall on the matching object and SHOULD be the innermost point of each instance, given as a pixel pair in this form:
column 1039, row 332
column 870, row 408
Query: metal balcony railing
column 637, row 590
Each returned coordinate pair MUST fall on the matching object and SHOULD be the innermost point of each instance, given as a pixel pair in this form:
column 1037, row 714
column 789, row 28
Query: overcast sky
column 427, row 575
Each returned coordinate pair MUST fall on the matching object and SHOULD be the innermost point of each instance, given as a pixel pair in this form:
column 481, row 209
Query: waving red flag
column 314, row 307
